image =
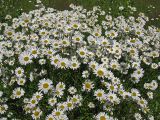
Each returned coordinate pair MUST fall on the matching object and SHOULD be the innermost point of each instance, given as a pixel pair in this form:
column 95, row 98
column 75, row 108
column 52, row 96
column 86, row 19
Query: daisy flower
column 43, row 32
column 103, row 116
column 63, row 63
column 113, row 34
column 76, row 99
column 55, row 60
column 59, row 93
column 91, row 105
column 139, row 72
column 75, row 25
column 19, row 72
column 38, row 96
column 82, row 52
column 142, row 102
column 135, row 93
column 74, row 64
column 72, row 90
column 85, row 74
column 100, row 94
column 42, row 61
column 62, row 106
column 21, row 81
column 97, row 33
column 112, row 87
column 60, row 86
column 33, row 102
column 88, row 85
column 100, row 71
column 138, row 116
column 25, row 58
column 114, row 65
column 150, row 95
column 34, row 52
column 93, row 64
column 65, row 42
column 69, row 105
column 45, row 85
column 52, row 101
column 50, row 117
column 3, row 108
column 57, row 113
column 36, row 114
column 18, row 92
column 77, row 38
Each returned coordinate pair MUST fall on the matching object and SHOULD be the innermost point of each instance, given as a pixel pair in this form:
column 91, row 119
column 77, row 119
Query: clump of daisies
column 66, row 65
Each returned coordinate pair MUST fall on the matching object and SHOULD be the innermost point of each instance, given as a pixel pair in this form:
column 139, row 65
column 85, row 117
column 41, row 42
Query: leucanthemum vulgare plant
column 68, row 65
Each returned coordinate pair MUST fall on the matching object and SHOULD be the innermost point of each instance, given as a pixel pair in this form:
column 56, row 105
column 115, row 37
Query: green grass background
column 15, row 7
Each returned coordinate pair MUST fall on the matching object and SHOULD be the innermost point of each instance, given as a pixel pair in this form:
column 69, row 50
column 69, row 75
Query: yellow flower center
column 45, row 85
column 56, row 60
column 34, row 52
column 50, row 119
column 111, row 97
column 37, row 96
column 64, row 42
column 74, row 64
column 112, row 87
column 19, row 71
column 114, row 66
column 36, row 113
column 33, row 101
column 93, row 66
column 49, row 52
column 9, row 33
column 77, row 39
column 18, row 92
column 82, row 53
column 112, row 34
column 133, row 41
column 63, row 64
column 142, row 102
column 45, row 41
column 88, row 85
column 96, row 34
column 42, row 33
column 2, row 108
column 52, row 101
column 134, row 94
column 99, row 94
column 75, row 25
column 103, row 118
column 57, row 113
column 100, row 73
column 26, row 58
column 62, row 107
column 69, row 104
column 74, row 99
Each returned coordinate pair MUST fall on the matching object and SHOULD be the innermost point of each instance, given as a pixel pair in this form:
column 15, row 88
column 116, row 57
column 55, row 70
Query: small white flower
column 18, row 92
column 45, row 85
column 25, row 58
column 19, row 72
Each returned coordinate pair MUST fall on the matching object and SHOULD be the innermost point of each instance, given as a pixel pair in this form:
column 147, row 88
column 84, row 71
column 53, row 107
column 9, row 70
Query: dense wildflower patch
column 60, row 65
